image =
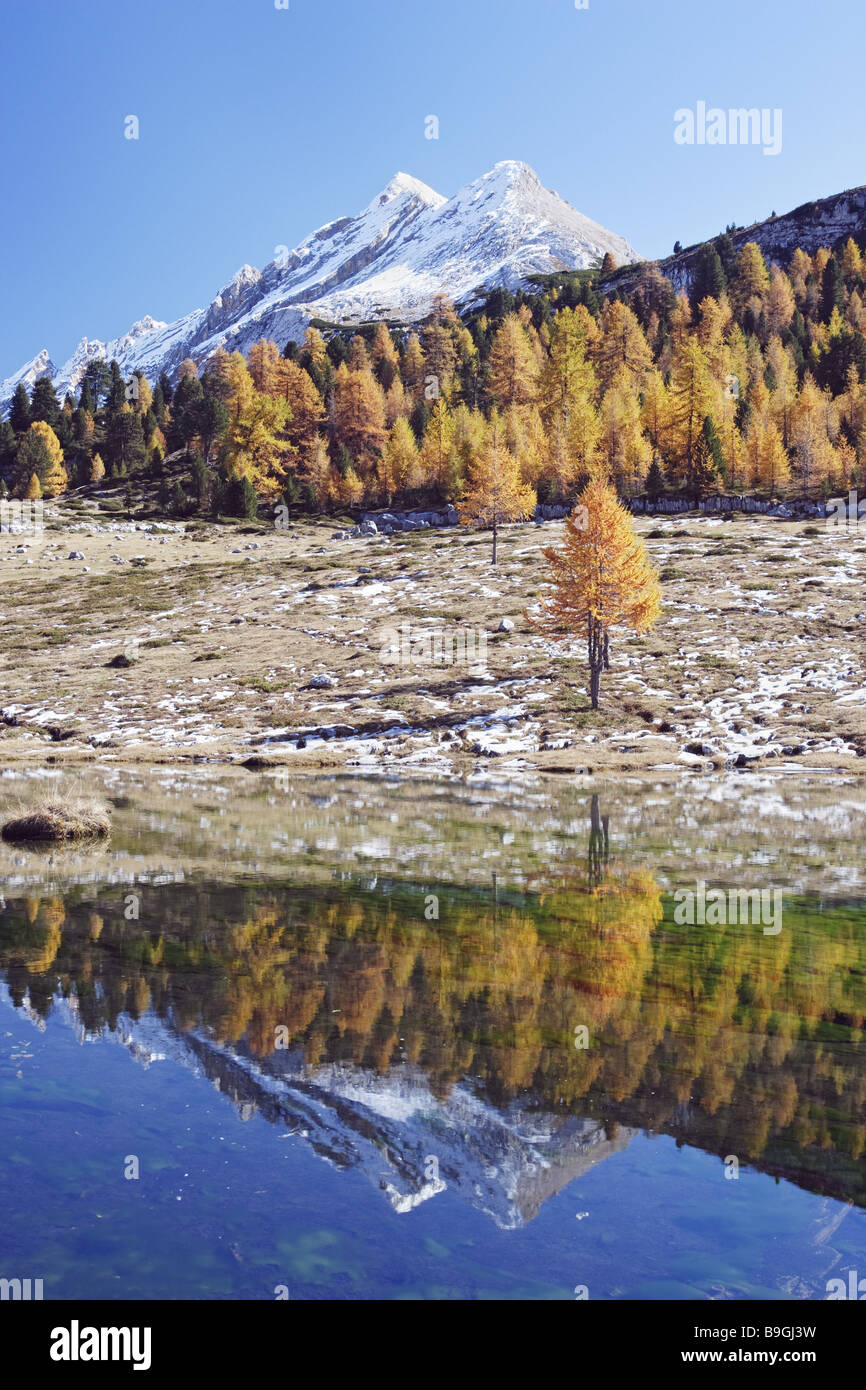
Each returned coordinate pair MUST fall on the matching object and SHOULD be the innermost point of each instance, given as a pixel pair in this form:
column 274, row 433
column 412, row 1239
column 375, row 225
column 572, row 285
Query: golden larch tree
column 439, row 462
column 40, row 454
column 600, row 578
column 622, row 345
column 399, row 469
column 359, row 416
column 384, row 357
column 512, row 371
column 773, row 467
column 495, row 493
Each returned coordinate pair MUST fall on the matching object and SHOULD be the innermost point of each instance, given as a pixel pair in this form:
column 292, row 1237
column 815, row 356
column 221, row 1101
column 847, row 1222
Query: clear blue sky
column 258, row 125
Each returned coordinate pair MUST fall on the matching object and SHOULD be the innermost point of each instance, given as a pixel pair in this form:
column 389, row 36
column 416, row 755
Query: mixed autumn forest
column 754, row 378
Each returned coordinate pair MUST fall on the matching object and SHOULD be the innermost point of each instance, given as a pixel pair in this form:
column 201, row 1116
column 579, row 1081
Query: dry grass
column 56, row 819
column 759, row 642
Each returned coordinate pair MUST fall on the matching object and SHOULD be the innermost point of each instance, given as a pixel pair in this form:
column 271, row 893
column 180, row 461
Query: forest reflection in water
column 408, row 1016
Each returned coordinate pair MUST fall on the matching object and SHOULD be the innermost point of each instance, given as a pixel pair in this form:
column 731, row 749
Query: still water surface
column 371, row 1040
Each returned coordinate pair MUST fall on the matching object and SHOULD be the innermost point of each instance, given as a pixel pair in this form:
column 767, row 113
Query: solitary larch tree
column 600, row 578
column 495, row 493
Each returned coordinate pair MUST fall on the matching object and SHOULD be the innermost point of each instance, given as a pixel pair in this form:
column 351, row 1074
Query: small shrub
column 56, row 818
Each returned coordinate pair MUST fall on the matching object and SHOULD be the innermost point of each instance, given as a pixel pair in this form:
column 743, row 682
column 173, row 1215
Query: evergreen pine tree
column 832, row 289
column 212, row 419
column 85, row 398
column 241, row 499
column 115, row 396
column 199, row 475
column 185, row 412
column 707, row 458
column 727, row 252
column 420, row 419
column 124, row 441
column 97, row 379
column 8, row 446
column 709, row 279
column 19, row 410
column 250, row 501
column 655, row 479
column 44, row 404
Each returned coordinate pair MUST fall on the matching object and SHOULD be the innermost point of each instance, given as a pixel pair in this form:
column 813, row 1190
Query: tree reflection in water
column 721, row 1036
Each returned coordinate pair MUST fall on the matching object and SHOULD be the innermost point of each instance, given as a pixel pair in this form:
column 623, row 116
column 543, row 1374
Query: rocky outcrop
column 725, row 503
column 822, row 222
column 387, row 523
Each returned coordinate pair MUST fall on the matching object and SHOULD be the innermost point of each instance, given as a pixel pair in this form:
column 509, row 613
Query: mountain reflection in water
column 445, row 1050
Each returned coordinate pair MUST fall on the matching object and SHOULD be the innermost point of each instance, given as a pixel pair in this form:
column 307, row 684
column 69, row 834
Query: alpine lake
column 346, row 1037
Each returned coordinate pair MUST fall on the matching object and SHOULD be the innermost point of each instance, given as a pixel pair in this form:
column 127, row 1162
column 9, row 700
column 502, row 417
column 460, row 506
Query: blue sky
column 258, row 125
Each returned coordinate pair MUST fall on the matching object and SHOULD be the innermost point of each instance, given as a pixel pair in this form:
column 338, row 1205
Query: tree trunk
column 594, row 685
column 599, row 845
column 597, row 644
column 493, row 561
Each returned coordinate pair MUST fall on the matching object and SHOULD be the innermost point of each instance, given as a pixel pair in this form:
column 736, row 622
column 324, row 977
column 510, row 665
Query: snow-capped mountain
column 41, row 365
column 504, row 1161
column 389, row 261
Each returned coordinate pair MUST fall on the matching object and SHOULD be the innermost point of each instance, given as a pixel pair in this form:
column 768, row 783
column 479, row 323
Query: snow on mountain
column 408, row 244
column 41, row 365
column 505, row 1162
